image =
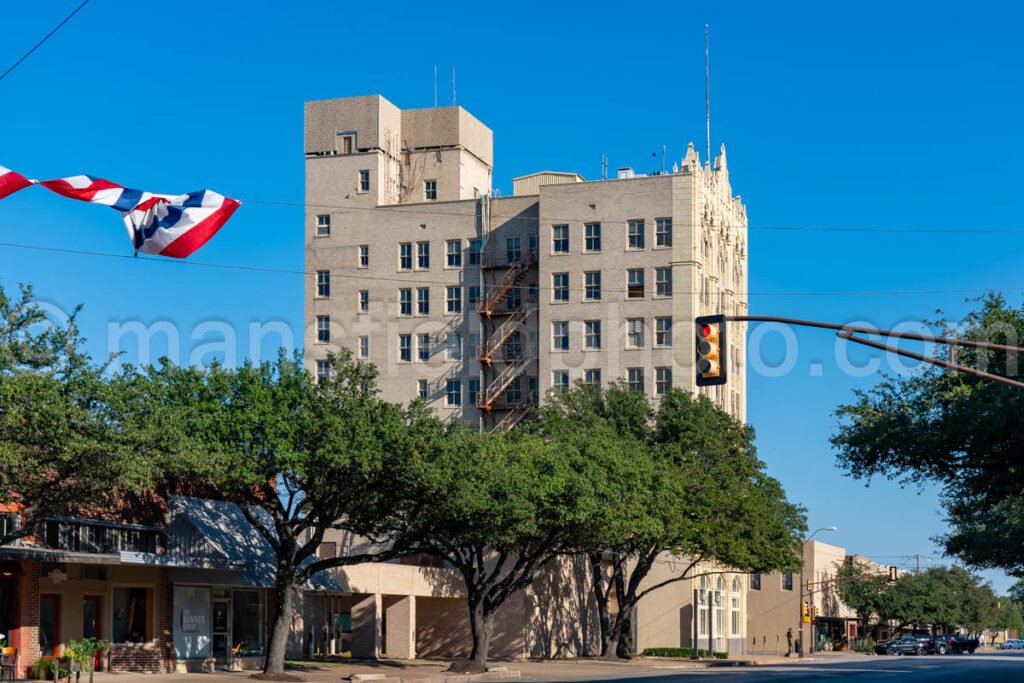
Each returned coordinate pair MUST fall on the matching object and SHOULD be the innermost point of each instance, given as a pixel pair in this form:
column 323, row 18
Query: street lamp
column 804, row 619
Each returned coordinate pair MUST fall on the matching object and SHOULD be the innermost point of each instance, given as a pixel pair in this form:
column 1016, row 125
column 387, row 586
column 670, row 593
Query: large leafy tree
column 683, row 480
column 498, row 508
column 299, row 457
column 962, row 432
column 71, row 431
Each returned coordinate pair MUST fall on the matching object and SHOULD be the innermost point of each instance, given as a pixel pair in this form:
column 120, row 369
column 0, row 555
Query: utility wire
column 45, row 38
column 359, row 275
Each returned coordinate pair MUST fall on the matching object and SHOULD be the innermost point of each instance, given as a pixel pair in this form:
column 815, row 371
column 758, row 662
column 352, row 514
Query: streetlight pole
column 810, row 598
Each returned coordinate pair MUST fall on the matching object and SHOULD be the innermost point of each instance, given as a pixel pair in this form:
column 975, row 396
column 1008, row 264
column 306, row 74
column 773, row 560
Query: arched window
column 734, row 608
column 702, row 607
column 720, row 614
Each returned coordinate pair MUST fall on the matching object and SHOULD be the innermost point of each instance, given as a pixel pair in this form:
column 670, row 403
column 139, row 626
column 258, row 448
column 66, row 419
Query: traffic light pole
column 850, row 332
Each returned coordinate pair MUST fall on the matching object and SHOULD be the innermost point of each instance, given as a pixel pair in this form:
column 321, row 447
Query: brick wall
column 135, row 658
column 28, row 617
column 165, row 621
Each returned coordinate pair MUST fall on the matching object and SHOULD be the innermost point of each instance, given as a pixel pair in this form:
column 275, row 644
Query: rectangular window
column 405, row 348
column 513, row 249
column 364, row 180
column 592, row 237
column 534, row 244
column 364, row 300
column 663, row 331
column 453, row 346
column 430, row 190
column 248, row 616
column 474, row 252
column 635, row 333
column 323, row 329
column 423, row 301
column 323, row 225
column 592, row 334
column 323, row 283
column 560, row 336
column 636, row 234
column 635, row 283
column 364, row 255
column 405, row 256
column 453, row 392
column 592, row 376
column 734, row 613
column 662, row 380
column 663, row 232
column 560, row 239
column 405, row 302
column 755, row 581
column 421, row 388
column 133, row 622
column 514, row 298
column 663, row 282
column 474, row 391
column 514, row 393
column 323, row 370
column 453, row 299
column 364, row 347
column 423, row 255
column 787, row 581
column 49, row 624
column 454, row 253
column 560, row 380
column 560, row 287
column 592, row 285
column 473, row 294
column 423, row 346
column 635, row 379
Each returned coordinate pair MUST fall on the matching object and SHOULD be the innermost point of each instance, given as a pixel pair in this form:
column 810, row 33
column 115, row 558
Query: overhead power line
column 45, row 38
column 358, row 274
column 419, row 210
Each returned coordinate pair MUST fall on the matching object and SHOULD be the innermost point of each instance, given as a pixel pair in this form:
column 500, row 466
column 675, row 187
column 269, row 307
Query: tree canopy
column 965, row 433
column 683, row 480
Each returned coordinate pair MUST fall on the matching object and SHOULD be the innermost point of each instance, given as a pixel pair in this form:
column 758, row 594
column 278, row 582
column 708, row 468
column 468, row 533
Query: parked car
column 904, row 645
column 953, row 644
column 1014, row 644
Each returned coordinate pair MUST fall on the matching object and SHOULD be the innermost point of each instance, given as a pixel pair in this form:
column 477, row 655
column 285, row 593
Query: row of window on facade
column 636, row 240
column 786, row 580
column 429, row 186
column 635, row 338
column 636, row 288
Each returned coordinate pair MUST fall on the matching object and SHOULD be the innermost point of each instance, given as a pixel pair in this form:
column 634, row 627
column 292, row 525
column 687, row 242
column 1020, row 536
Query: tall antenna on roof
column 707, row 90
column 453, row 87
column 435, row 86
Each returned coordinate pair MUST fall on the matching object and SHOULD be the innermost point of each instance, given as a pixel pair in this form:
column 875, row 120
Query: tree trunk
column 601, row 596
column 280, row 626
column 481, row 623
column 624, row 633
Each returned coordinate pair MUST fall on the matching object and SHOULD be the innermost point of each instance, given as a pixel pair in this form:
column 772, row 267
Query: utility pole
column 918, row 569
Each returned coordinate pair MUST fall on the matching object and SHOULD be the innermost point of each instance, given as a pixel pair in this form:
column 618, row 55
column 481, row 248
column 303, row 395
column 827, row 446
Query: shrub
column 679, row 652
column 43, row 670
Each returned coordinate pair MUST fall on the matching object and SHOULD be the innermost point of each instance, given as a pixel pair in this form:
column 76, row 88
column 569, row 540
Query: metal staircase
column 517, row 269
column 516, row 413
column 515, row 322
column 515, row 364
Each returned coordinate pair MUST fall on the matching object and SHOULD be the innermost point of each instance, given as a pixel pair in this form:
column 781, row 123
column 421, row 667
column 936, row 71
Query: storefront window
column 734, row 606
column 49, row 624
column 247, row 622
column 133, row 615
column 191, row 622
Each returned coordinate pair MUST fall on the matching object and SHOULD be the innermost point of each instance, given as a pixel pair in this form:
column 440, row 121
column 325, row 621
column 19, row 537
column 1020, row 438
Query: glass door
column 91, row 622
column 221, row 631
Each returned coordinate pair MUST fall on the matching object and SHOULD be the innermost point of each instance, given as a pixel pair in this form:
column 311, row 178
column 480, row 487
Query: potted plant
column 82, row 654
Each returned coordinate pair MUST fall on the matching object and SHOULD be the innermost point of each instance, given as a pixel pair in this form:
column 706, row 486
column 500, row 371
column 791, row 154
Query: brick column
column 366, row 618
column 28, row 616
column 165, row 621
column 401, row 624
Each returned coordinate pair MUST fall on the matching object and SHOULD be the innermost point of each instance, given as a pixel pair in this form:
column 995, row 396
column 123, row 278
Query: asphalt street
column 990, row 667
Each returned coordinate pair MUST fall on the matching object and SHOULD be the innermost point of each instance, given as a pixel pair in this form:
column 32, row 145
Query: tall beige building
column 483, row 304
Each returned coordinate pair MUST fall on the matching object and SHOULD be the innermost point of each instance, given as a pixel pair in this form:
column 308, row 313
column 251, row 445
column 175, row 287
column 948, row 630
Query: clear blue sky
column 866, row 115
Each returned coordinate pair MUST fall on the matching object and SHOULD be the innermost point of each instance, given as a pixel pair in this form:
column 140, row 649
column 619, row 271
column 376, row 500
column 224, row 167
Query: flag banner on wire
column 166, row 225
column 11, row 182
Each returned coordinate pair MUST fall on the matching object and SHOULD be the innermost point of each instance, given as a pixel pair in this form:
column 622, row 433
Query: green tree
column 69, row 428
column 497, row 508
column 964, row 433
column 298, row 457
column 684, row 480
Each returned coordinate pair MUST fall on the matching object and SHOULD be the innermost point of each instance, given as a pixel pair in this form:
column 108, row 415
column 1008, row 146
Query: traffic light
column 810, row 586
column 805, row 610
column 712, row 360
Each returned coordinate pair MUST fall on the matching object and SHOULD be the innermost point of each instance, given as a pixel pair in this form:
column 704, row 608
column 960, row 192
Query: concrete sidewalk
column 432, row 671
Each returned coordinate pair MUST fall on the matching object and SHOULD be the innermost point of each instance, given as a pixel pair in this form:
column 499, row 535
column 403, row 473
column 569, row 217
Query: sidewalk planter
column 683, row 652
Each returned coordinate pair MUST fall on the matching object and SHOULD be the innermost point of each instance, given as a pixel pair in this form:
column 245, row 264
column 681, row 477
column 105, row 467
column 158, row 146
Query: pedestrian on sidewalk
column 789, row 641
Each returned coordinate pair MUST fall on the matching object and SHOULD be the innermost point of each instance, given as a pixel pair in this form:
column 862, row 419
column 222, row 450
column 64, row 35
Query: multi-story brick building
column 483, row 304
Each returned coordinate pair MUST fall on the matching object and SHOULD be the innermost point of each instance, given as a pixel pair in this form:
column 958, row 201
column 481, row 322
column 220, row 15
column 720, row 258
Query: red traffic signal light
column 711, row 350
